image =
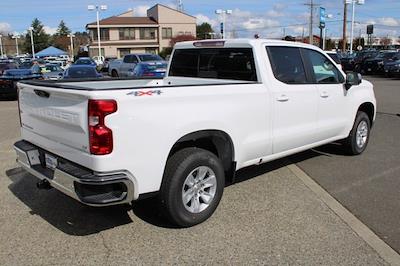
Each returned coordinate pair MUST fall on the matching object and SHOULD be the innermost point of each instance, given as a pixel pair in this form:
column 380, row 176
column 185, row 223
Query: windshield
column 51, row 68
column 150, row 57
column 83, row 62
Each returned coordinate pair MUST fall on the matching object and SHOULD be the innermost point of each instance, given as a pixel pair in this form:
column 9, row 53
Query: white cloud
column 205, row 19
column 50, row 30
column 5, row 27
column 141, row 11
column 259, row 24
column 389, row 21
column 274, row 13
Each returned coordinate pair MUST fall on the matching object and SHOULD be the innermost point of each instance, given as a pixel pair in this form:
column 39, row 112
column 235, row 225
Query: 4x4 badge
column 145, row 93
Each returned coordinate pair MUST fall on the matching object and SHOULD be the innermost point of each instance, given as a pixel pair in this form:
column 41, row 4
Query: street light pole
column 32, row 43
column 16, row 37
column 72, row 45
column 98, row 9
column 354, row 2
column 223, row 13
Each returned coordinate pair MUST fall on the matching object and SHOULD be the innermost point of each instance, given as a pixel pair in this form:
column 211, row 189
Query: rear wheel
column 192, row 186
column 358, row 138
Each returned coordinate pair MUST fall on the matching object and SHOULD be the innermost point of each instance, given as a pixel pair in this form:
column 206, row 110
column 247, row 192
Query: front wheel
column 358, row 138
column 192, row 187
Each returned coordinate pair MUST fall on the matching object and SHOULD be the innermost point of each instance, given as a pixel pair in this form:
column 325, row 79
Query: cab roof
column 236, row 43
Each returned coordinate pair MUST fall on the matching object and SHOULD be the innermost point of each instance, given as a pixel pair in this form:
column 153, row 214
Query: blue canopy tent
column 51, row 51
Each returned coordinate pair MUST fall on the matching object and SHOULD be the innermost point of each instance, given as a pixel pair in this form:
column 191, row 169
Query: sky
column 268, row 18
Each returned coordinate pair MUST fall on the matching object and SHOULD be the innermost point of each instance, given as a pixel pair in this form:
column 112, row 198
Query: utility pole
column 310, row 29
column 344, row 44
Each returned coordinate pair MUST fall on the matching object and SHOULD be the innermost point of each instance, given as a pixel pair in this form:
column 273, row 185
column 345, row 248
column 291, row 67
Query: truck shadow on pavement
column 74, row 218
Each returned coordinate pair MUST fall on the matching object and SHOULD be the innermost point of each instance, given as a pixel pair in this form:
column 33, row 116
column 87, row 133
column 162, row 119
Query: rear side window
column 218, row 63
column 287, row 64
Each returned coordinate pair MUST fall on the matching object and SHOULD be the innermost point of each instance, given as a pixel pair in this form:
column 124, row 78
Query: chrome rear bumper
column 88, row 187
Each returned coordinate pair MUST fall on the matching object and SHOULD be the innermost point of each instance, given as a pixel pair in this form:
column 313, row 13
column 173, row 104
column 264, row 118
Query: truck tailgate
column 57, row 115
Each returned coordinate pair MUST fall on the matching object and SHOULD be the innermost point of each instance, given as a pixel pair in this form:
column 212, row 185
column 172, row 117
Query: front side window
column 287, row 64
column 217, row 63
column 325, row 72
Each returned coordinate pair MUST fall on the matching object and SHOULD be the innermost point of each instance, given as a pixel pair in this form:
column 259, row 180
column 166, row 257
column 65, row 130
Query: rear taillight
column 100, row 136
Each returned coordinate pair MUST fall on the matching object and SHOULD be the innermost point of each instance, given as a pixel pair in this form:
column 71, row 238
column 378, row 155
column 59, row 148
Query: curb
column 377, row 244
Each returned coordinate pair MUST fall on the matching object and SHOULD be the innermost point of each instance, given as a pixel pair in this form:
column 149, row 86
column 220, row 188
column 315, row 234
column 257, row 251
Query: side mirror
column 352, row 79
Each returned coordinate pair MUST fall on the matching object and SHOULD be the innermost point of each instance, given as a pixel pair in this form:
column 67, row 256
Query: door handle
column 282, row 98
column 324, row 94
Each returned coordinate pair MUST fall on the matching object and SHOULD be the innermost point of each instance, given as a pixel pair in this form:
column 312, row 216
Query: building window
column 95, row 52
column 188, row 33
column 151, row 51
column 166, row 33
column 104, row 34
column 124, row 51
column 147, row 33
column 126, row 33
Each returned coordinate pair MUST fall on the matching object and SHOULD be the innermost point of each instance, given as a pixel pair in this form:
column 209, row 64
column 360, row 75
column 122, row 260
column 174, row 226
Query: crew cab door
column 332, row 112
column 294, row 100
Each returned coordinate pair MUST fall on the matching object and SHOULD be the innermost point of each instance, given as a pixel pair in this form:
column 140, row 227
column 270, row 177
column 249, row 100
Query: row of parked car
column 12, row 71
column 130, row 66
column 372, row 62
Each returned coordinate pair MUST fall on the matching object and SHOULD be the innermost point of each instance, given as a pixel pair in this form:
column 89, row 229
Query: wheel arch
column 215, row 141
column 369, row 109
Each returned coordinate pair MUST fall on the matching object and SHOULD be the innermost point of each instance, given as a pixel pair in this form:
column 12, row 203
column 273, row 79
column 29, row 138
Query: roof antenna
column 180, row 6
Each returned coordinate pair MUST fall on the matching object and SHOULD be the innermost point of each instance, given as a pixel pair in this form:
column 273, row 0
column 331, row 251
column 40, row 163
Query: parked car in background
column 376, row 65
column 7, row 65
column 392, row 68
column 347, row 62
column 99, row 60
column 87, row 61
column 107, row 61
column 335, row 56
column 149, row 69
column 122, row 68
column 81, row 72
column 10, row 78
column 52, row 72
column 359, row 59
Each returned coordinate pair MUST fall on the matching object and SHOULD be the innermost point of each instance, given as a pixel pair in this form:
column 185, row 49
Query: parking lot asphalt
column 269, row 217
column 368, row 185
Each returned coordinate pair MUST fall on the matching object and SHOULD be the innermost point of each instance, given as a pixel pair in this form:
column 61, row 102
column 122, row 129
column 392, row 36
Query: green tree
column 62, row 29
column 203, row 31
column 40, row 37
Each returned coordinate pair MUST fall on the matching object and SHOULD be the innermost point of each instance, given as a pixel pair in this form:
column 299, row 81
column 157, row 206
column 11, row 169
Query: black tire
column 114, row 74
column 178, row 168
column 350, row 143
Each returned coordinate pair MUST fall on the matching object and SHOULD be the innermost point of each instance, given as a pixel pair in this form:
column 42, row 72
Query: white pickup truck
column 224, row 105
